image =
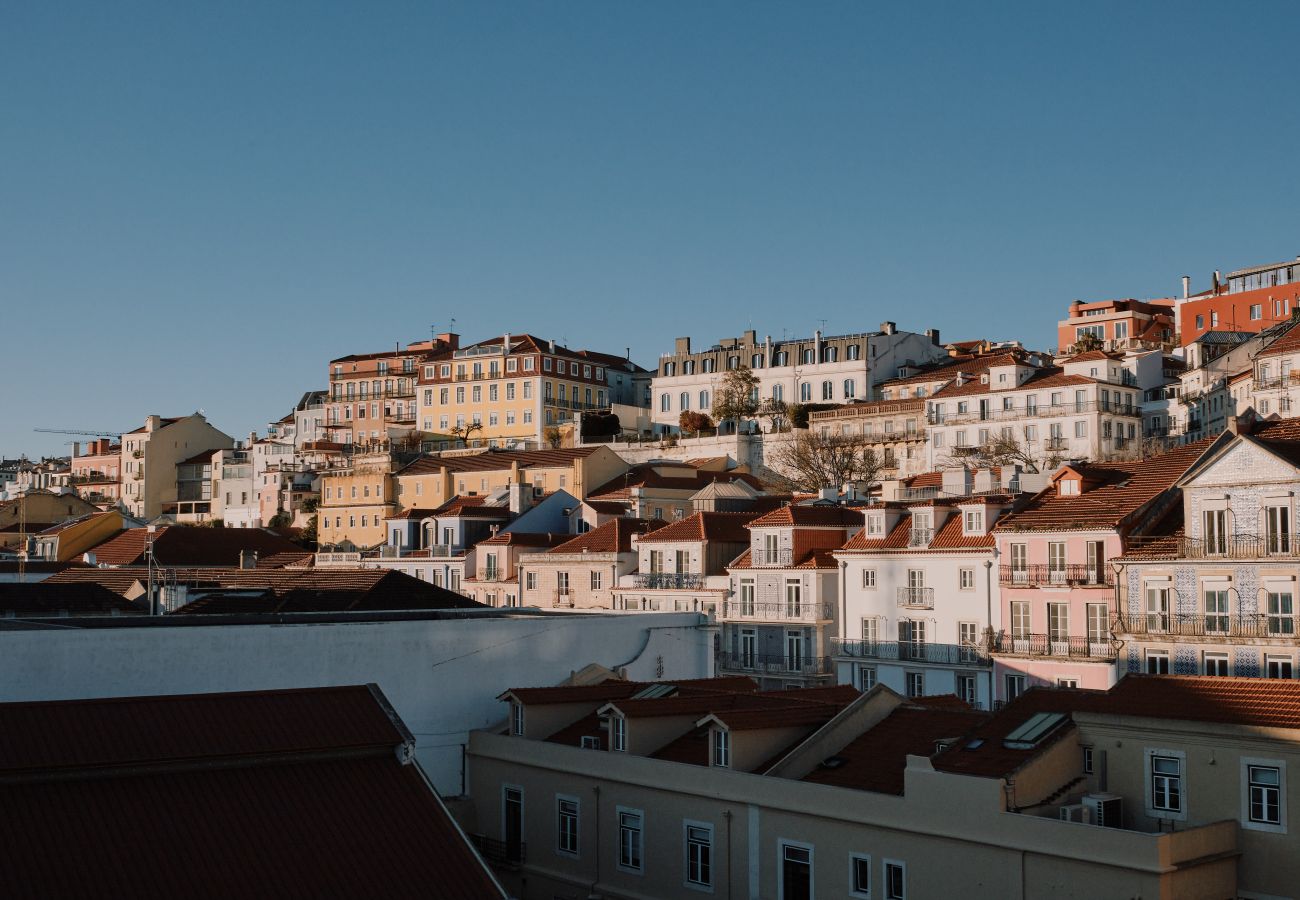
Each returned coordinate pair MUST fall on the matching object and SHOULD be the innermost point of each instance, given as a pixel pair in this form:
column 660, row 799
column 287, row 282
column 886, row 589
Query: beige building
column 892, row 429
column 357, row 495
column 1163, row 787
column 35, row 511
column 151, row 454
column 583, row 573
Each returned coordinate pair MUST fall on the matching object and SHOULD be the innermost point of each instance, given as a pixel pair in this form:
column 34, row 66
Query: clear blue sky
column 201, row 204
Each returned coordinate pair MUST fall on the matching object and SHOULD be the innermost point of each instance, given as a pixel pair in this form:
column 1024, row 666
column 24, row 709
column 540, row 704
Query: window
column 915, row 684
column 1165, row 784
column 1058, row 622
column 699, row 854
column 1216, row 664
column 895, row 880
column 1216, row 611
column 1281, row 618
column 1263, row 795
column 968, row 640
column 1087, row 760
column 1015, row 686
column 859, row 875
column 595, row 581
column 793, row 598
column 869, row 579
column 721, row 747
column 795, row 876
column 1216, row 530
column 828, row 390
column 1278, row 666
column 974, row 521
column 1277, row 528
column 629, row 839
column 805, row 392
column 566, row 809
column 530, row 581
column 1019, row 619
column 1256, row 311
column 866, row 678
column 618, row 734
column 517, row 718
column 966, row 579
column 1157, row 662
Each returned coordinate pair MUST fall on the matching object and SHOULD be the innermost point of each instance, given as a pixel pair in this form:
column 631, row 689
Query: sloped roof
column 494, row 460
column 812, row 516
column 185, row 545
column 705, row 526
column 294, row 792
column 1117, row 491
column 615, row 536
column 682, row 478
column 36, row 599
column 1287, row 343
column 616, row 689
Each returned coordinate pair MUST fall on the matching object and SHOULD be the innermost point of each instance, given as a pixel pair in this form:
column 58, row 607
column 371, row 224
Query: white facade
column 442, row 674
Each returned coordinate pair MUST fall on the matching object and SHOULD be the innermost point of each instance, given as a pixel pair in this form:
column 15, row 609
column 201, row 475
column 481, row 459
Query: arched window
column 854, row 351
column 686, row 400
column 849, row 389
column 809, row 357
column 665, row 403
column 831, row 354
column 805, row 392
column 708, row 365
column 756, row 361
column 688, row 367
column 733, row 362
column 670, row 369
column 828, row 390
column 781, row 359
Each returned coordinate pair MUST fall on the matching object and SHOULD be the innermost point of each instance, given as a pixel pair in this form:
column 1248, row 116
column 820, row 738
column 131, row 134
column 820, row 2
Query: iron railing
column 1257, row 625
column 803, row 611
column 500, row 853
column 920, row 537
column 1071, row 646
column 774, row 664
column 1039, row 575
column 914, row 651
column 1037, row 412
column 916, row 597
column 1240, row 546
column 771, row 557
column 658, row 580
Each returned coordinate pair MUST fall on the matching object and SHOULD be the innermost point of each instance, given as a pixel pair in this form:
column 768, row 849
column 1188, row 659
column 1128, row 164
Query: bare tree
column 463, row 432
column 553, row 436
column 1003, row 450
column 737, row 396
column 812, row 461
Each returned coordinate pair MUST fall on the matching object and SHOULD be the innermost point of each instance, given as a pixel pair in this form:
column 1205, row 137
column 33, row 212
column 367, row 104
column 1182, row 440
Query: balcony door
column 912, row 638
column 794, row 599
column 1096, row 561
column 794, row 651
column 1281, row 614
column 1157, row 609
column 748, row 648
column 1216, row 531
column 1058, row 628
column 513, row 824
column 1277, row 528
column 1056, row 562
column 1098, row 629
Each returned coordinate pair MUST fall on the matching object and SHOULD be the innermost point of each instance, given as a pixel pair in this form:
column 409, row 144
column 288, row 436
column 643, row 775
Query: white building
column 819, row 369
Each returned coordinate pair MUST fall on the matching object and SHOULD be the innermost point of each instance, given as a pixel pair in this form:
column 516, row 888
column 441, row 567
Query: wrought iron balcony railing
column 803, row 611
column 773, row 558
column 1071, row 646
column 662, row 580
column 1039, row 575
column 914, row 651
column 774, row 664
column 1257, row 625
column 916, row 597
column 1042, row 411
column 1240, row 546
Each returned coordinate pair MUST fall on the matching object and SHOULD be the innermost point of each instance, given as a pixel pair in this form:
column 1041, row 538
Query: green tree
column 737, row 397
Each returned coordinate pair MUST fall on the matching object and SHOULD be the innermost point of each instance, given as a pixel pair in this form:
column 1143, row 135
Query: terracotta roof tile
column 181, row 545
column 705, row 526
column 615, row 536
column 813, row 516
column 495, row 460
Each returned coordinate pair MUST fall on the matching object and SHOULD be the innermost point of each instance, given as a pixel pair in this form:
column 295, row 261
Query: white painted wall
column 442, row 675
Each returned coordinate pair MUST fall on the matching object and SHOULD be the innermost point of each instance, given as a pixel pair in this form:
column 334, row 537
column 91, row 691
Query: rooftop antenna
column 823, row 321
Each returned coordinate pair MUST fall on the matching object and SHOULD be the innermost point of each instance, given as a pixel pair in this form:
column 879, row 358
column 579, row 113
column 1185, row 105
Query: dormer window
column 876, row 524
column 721, row 748
column 1069, row 487
column 618, row 734
column 974, row 521
column 517, row 719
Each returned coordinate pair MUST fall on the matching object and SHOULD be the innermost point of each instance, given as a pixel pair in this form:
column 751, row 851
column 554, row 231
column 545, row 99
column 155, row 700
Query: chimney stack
column 1187, row 286
column 888, row 327
column 933, row 335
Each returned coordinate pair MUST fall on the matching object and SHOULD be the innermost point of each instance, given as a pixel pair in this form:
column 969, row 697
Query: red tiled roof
column 1287, row 343
column 948, row 371
column 181, row 545
column 1256, row 702
column 495, row 460
column 813, row 516
column 165, row 422
column 295, row 792
column 706, row 526
column 1093, row 356
column 682, row 478
column 36, row 599
column 876, row 759
column 614, row 689
column 527, row 539
column 1043, row 378
column 1117, row 491
column 952, row 537
column 615, row 536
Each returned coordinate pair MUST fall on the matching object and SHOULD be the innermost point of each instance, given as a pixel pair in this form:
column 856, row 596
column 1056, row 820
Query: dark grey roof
column 1267, row 268
column 1224, row 337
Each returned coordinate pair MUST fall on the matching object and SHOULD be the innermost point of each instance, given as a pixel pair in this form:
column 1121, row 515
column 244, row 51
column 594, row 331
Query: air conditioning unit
column 1106, row 810
column 1076, row 812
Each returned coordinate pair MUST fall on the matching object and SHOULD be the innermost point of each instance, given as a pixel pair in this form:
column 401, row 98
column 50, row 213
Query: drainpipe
column 844, row 601
column 988, row 602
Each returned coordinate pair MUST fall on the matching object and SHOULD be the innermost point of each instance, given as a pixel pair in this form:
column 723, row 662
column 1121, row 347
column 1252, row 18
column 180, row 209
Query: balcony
column 771, row 558
column 920, row 537
column 1057, row 646
column 1197, row 625
column 1240, row 546
column 774, row 664
column 916, row 597
column 1031, row 412
column 778, row 612
column 445, row 551
column 1056, row 576
column 502, row 854
column 1056, row 443
column 495, row 575
column 668, row 580
column 907, row 651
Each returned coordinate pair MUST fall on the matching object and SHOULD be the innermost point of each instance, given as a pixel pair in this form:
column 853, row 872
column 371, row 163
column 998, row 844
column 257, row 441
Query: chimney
column 1242, row 424
column 1187, row 286
column 888, row 327
column 248, row 559
column 828, row 493
column 552, row 345
column 153, row 423
column 933, row 335
column 682, row 346
column 1216, row 281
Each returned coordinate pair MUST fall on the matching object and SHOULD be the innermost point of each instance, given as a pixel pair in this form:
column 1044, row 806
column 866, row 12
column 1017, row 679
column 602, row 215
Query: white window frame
column 1246, row 822
column 1148, row 755
column 885, row 890
column 966, row 578
column 617, row 733
column 705, row 887
column 619, row 812
column 560, row 850
column 868, row 579
column 781, row 844
column 854, row 890
column 517, row 718
column 720, row 748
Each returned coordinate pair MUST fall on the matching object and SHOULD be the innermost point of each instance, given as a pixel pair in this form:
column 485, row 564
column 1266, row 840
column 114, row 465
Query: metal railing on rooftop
column 790, row 611
column 1036, row 412
column 916, row 597
column 914, row 651
column 774, row 664
column 1070, row 646
column 1039, row 575
column 654, row 580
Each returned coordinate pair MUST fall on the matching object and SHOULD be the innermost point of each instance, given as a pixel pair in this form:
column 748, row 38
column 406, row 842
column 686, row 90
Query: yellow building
column 429, row 481
column 356, row 496
column 513, row 388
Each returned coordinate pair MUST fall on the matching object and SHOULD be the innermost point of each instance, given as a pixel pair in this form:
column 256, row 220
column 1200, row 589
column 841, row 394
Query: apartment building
column 151, row 455
column 357, row 495
column 96, row 472
column 1163, row 787
column 894, row 430
column 780, row 618
column 33, row 512
column 1246, row 300
column 1087, row 408
column 498, row 560
column 1214, row 590
column 1222, row 369
column 819, row 369
column 682, row 567
column 1057, row 569
column 508, row 390
column 235, row 489
column 372, row 396
column 430, row 481
column 920, row 594
column 1120, row 324
column 583, row 572
column 666, row 489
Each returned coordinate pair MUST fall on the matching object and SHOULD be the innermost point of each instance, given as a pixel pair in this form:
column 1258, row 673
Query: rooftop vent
column 833, row 762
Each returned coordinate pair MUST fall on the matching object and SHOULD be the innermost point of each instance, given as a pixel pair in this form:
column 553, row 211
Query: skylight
column 654, row 691
column 1037, row 727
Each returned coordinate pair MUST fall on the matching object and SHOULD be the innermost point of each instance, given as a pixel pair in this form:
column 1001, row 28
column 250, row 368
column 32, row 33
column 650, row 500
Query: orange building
column 1246, row 300
column 1120, row 324
column 372, row 395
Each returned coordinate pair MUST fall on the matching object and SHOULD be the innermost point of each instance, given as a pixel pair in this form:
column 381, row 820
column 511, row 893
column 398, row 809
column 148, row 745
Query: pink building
column 96, row 471
column 1056, row 572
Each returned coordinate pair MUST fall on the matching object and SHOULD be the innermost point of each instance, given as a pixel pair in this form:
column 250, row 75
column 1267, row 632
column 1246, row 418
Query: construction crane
column 107, row 434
